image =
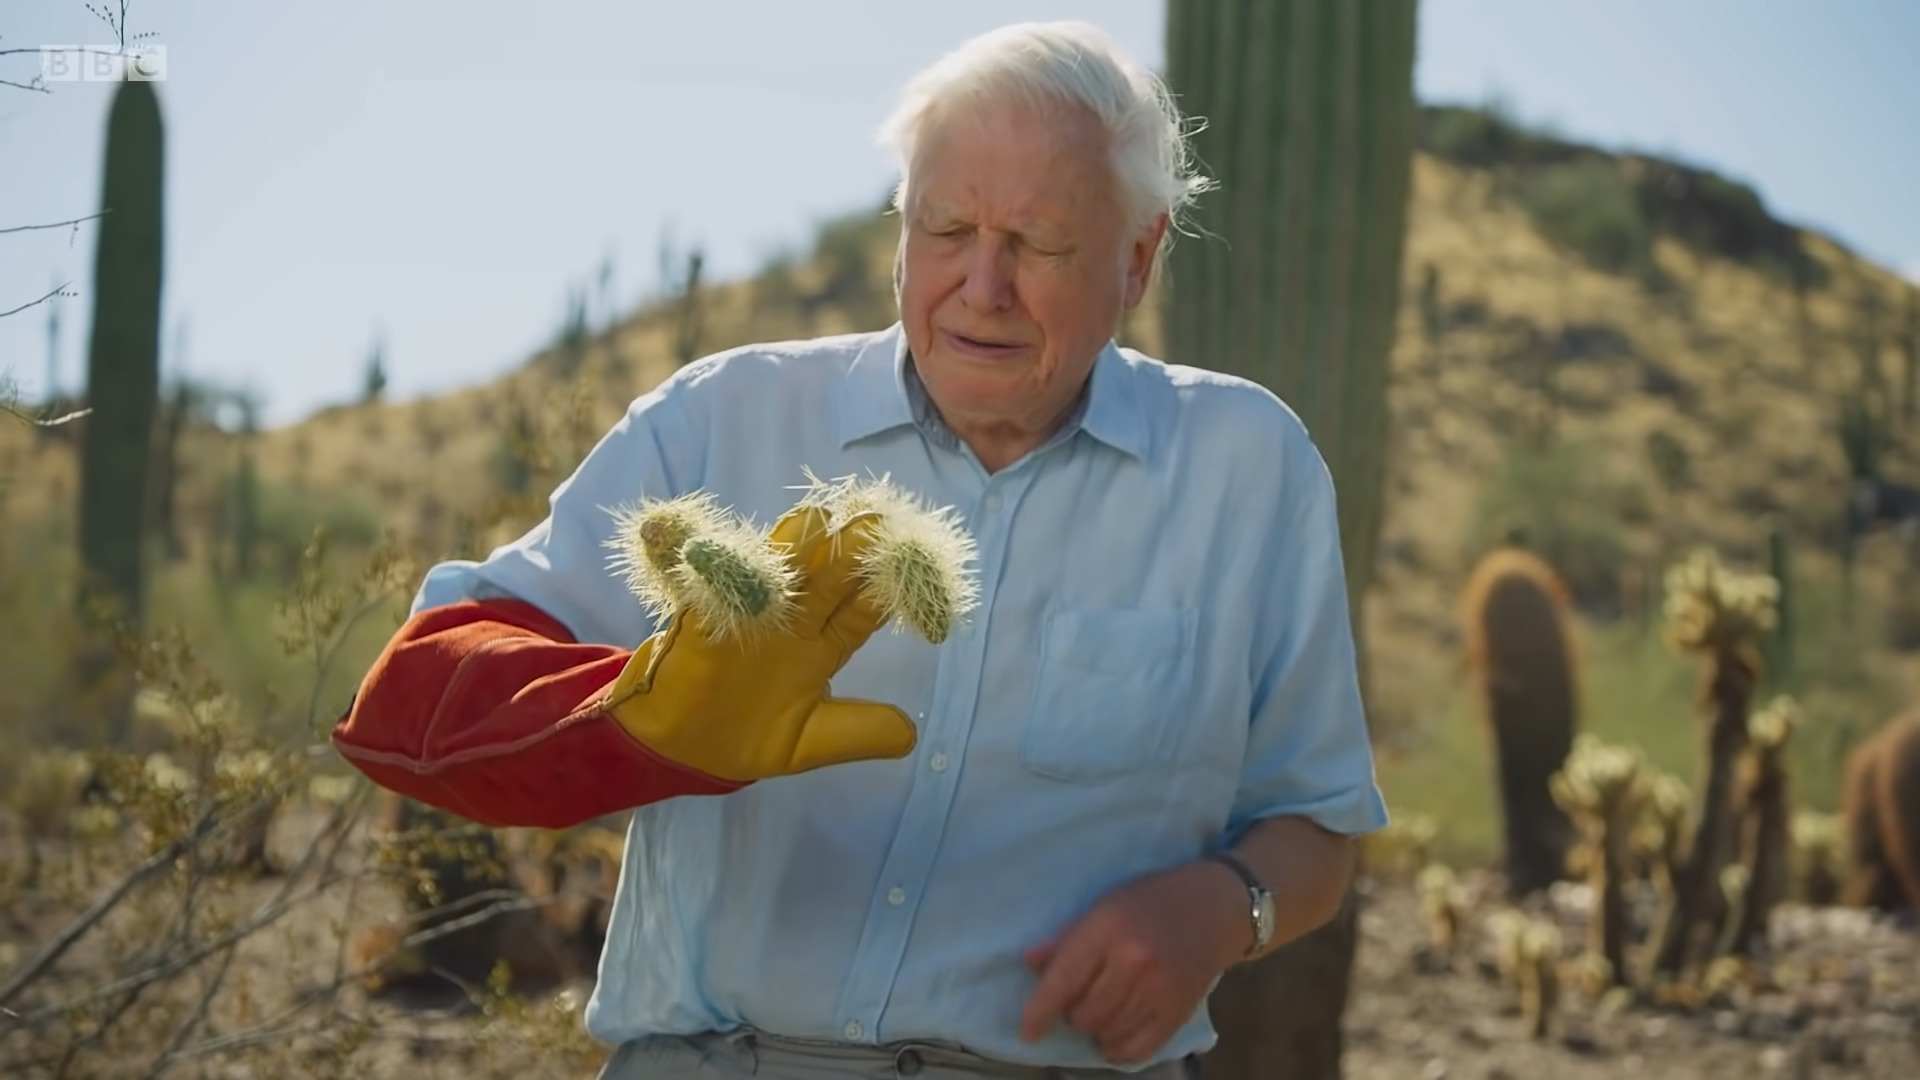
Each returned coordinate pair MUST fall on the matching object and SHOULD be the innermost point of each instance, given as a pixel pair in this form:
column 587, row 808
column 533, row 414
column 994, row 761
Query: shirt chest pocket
column 1109, row 692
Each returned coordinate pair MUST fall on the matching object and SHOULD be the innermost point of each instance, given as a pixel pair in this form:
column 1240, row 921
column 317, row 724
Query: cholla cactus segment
column 732, row 585
column 1600, row 783
column 1734, row 879
column 687, row 554
column 1442, row 901
column 918, row 570
column 1818, row 835
column 1521, row 941
column 1770, row 727
column 1664, row 809
column 646, row 545
column 1403, row 846
column 1711, row 608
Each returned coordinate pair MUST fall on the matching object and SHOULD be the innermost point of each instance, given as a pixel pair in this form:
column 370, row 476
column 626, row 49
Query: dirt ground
column 1843, row 1001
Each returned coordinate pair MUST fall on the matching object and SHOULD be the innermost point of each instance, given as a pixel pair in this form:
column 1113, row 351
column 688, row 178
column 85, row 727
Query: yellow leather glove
column 749, row 708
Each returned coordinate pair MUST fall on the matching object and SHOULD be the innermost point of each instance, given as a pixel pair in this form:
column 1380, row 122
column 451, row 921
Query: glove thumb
column 840, row 731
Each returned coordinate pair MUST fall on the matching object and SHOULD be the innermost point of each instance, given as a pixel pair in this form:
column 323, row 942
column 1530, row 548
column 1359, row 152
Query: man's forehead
column 1035, row 215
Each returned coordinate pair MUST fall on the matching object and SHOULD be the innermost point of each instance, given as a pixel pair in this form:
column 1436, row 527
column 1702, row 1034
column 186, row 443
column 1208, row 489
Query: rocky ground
column 1842, row 999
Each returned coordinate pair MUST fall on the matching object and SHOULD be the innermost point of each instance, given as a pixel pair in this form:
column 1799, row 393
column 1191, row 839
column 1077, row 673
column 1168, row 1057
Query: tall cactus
column 1519, row 633
column 123, row 382
column 1294, row 281
column 1777, row 647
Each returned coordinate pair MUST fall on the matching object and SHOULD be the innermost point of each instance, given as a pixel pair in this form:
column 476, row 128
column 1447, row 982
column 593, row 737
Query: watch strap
column 1255, row 893
column 1233, row 863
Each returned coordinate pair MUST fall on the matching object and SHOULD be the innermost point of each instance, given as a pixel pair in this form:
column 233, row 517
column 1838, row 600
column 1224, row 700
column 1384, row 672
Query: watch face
column 1263, row 917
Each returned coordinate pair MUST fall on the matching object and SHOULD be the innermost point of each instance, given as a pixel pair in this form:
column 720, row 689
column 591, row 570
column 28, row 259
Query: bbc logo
column 103, row 63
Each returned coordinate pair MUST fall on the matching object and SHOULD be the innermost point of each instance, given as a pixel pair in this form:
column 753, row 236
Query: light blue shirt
column 1161, row 656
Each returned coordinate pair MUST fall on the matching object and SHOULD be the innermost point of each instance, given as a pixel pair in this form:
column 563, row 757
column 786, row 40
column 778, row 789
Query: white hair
column 1073, row 63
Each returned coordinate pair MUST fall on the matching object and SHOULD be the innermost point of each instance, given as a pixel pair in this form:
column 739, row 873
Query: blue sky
column 441, row 174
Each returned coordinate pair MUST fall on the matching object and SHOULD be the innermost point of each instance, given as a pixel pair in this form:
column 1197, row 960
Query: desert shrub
column 1669, row 458
column 1590, row 209
column 186, row 911
column 1488, row 135
column 1472, row 136
column 1565, row 504
column 1713, row 213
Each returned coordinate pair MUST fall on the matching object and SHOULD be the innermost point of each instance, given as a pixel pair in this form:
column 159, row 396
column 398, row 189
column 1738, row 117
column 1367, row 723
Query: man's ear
column 1142, row 257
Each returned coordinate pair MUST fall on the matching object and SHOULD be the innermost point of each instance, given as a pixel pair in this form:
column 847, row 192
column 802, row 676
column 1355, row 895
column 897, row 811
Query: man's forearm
column 490, row 710
column 1308, row 870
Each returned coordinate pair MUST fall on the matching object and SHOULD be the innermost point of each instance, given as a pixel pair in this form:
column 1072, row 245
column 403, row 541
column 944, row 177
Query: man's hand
column 1134, row 969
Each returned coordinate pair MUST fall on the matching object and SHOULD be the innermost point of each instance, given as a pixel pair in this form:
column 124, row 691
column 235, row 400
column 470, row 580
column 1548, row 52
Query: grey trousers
column 767, row 1057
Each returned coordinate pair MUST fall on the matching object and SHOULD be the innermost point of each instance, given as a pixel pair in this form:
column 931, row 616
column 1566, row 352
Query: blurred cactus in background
column 123, row 377
column 1519, row 628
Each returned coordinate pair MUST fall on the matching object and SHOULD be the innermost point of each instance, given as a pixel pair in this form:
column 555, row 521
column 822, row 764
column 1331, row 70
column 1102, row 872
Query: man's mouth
column 985, row 347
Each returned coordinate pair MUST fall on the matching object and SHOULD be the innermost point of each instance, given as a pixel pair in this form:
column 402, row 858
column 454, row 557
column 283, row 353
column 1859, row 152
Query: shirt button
column 992, row 503
column 853, row 1029
column 938, row 763
column 896, row 896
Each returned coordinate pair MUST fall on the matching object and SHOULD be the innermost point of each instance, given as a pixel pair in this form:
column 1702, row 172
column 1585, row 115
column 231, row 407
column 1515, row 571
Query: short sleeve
column 1309, row 751
column 561, row 564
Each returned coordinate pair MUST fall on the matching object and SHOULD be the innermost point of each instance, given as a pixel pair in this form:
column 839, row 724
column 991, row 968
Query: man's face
column 1014, row 267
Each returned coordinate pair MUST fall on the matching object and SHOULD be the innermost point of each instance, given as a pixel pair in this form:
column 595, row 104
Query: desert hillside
column 1616, row 358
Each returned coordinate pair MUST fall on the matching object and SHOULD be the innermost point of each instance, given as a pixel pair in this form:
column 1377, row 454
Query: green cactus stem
column 123, row 389
column 1290, row 276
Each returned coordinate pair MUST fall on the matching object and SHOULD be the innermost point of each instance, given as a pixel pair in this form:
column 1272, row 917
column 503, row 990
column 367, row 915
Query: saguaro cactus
column 1293, row 280
column 1519, row 629
column 123, row 385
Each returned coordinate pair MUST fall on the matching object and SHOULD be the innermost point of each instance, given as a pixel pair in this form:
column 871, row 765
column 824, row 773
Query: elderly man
column 1032, row 848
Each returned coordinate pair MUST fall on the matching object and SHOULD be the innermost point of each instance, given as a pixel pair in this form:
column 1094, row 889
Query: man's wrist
column 1238, row 934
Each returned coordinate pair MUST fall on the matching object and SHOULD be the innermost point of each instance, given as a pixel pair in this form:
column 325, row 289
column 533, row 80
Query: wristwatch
column 1258, row 895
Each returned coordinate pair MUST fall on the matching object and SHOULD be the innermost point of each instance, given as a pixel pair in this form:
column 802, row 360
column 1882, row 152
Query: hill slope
column 1618, row 357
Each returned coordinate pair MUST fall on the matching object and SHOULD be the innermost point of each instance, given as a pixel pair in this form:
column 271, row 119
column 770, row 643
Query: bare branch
column 266, row 914
column 100, row 908
column 55, row 225
column 25, row 86
column 45, row 422
column 58, row 291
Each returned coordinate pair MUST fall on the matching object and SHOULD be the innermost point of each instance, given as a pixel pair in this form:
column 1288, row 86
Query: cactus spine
column 1293, row 280
column 687, row 553
column 123, row 386
column 1519, row 643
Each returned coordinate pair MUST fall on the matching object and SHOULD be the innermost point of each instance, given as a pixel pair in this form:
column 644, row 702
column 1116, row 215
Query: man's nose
column 989, row 284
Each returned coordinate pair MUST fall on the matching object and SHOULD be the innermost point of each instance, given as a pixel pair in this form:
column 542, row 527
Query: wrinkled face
column 1015, row 265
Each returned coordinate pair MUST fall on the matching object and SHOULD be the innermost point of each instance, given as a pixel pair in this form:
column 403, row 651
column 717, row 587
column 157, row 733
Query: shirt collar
column 882, row 392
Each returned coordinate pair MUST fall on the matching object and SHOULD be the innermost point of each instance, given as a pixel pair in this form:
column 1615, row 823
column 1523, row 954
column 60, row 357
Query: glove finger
column 838, row 731
column 804, row 532
column 835, row 576
column 851, row 624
